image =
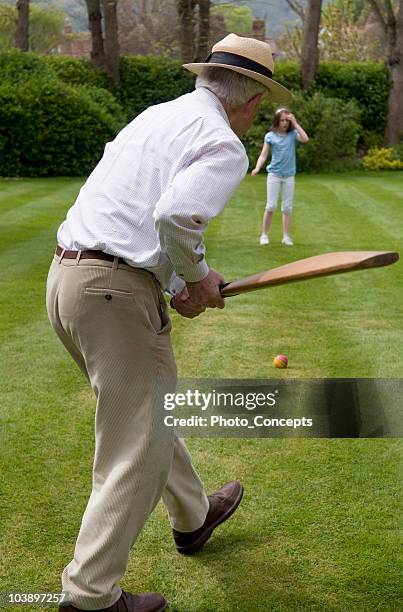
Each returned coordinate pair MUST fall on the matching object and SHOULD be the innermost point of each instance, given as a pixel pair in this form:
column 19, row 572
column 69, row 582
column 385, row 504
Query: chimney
column 68, row 26
column 259, row 29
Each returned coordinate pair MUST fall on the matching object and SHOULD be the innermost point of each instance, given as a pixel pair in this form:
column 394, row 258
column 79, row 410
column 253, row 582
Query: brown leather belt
column 87, row 255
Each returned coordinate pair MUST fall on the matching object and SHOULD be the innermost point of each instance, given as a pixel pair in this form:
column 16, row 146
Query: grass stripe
column 21, row 225
column 19, row 195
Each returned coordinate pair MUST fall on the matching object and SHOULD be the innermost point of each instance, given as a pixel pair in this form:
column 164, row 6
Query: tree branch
column 297, row 7
column 378, row 14
column 391, row 19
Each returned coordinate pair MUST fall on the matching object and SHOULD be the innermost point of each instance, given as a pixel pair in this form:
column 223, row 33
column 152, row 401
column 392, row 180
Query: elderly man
column 136, row 229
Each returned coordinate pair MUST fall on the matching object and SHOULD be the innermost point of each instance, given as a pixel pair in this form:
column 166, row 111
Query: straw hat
column 248, row 56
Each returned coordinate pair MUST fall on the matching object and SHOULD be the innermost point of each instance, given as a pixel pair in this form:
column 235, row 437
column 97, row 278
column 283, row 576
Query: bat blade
column 311, row 267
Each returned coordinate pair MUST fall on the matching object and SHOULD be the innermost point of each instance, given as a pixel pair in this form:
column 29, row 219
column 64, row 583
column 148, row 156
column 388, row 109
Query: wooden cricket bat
column 312, row 267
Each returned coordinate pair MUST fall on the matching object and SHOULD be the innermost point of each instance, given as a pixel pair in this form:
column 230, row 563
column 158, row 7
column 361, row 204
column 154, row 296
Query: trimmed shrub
column 365, row 82
column 330, row 116
column 17, row 67
column 49, row 128
column 151, row 80
column 289, row 75
column 331, row 124
column 382, row 158
column 78, row 71
column 398, row 151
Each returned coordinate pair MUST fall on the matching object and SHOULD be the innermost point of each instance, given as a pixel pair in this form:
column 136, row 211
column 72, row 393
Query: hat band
column 232, row 59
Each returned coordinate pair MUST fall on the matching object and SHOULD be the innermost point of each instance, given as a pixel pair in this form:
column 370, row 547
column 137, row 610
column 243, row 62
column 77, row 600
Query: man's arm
column 197, row 194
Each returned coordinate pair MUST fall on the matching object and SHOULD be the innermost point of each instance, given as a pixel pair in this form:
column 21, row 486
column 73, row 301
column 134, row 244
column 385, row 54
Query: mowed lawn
column 318, row 526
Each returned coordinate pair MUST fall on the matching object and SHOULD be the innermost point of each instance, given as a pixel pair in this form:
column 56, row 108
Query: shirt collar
column 211, row 99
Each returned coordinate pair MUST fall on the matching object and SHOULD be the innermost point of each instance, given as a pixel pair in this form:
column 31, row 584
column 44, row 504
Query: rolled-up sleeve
column 197, row 194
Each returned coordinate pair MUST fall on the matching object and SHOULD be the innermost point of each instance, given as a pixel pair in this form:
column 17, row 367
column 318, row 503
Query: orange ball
column 281, row 361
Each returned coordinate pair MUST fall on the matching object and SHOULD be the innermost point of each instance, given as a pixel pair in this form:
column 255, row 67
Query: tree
column 204, row 30
column 22, row 30
column 111, row 39
column 390, row 17
column 310, row 49
column 95, row 26
column 298, row 7
column 103, row 24
column 148, row 28
column 186, row 15
column 238, row 19
column 45, row 28
column 343, row 35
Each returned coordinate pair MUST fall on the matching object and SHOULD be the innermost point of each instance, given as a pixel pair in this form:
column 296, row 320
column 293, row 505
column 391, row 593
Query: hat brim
column 276, row 93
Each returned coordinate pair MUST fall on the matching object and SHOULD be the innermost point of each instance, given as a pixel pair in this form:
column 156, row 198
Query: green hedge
column 78, row 72
column 56, row 113
column 365, row 82
column 18, row 67
column 49, row 128
column 289, row 75
column 151, row 80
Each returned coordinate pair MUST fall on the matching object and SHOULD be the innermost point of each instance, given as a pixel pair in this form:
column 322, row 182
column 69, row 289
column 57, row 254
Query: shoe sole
column 196, row 546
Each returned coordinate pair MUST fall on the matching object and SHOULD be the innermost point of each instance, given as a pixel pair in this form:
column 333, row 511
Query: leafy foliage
column 343, row 35
column 289, row 75
column 365, row 82
column 45, row 27
column 333, row 126
column 237, row 19
column 151, row 80
column 330, row 117
column 75, row 9
column 78, row 72
column 382, row 158
column 48, row 127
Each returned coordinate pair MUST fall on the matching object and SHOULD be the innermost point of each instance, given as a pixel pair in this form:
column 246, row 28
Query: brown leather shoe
column 144, row 602
column 223, row 504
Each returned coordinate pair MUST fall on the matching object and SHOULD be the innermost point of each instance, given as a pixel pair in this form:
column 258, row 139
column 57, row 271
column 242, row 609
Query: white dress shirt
column 158, row 184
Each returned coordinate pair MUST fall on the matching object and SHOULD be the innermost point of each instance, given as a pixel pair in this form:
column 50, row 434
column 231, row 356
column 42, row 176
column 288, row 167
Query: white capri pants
column 274, row 184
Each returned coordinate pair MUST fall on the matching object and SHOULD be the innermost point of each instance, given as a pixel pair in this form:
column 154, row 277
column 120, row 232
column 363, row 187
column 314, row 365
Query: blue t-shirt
column 282, row 153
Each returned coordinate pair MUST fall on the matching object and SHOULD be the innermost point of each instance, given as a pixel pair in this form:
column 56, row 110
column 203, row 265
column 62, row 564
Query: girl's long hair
column 276, row 119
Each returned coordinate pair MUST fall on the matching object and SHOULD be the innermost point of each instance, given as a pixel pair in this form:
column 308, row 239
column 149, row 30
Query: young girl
column 282, row 138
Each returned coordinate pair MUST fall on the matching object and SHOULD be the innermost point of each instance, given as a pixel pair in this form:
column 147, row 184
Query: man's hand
column 206, row 292
column 254, row 172
column 184, row 306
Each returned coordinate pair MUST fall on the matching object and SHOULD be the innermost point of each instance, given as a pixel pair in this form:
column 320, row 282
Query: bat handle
column 220, row 287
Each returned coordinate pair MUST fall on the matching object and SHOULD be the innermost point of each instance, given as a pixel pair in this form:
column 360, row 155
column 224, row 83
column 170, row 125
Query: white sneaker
column 287, row 240
column 264, row 239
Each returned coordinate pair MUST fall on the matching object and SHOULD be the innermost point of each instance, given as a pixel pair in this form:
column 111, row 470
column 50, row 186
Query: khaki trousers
column 113, row 320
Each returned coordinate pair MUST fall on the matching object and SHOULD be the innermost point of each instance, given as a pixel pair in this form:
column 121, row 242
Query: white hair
column 229, row 86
